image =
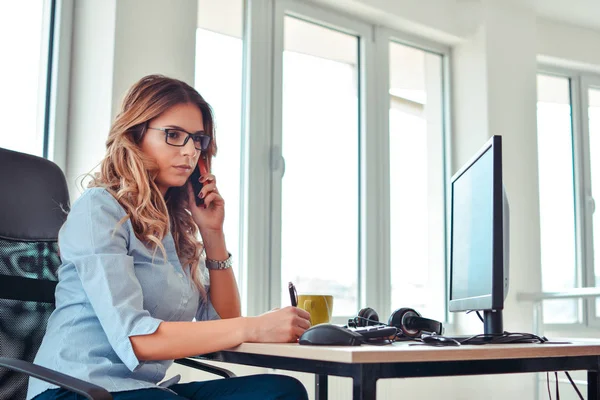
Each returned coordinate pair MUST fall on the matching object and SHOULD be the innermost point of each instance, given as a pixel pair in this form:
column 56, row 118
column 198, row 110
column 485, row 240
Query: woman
column 132, row 277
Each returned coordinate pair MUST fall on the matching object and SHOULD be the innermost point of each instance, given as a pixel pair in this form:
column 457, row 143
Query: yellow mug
column 318, row 306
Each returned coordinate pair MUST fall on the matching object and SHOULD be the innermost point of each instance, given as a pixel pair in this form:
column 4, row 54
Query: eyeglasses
column 179, row 138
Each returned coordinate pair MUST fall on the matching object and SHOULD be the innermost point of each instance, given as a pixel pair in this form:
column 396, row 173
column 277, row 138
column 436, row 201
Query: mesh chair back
column 34, row 201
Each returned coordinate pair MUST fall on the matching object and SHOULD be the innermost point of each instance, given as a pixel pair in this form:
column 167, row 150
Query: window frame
column 336, row 21
column 385, row 37
column 58, row 92
column 586, row 82
column 579, row 82
column 263, row 47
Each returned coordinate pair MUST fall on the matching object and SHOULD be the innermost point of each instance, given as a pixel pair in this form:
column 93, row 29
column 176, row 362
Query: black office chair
column 34, row 202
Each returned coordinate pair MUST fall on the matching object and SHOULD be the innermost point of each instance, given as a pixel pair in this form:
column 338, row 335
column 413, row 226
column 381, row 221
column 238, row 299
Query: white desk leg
column 321, row 387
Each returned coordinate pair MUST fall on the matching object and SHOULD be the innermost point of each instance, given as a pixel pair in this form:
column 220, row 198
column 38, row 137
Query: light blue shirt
column 111, row 287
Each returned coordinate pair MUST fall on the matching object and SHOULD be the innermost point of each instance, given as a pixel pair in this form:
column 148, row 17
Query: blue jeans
column 263, row 387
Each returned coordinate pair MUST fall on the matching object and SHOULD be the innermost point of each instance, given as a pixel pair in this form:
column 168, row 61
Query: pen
column 293, row 294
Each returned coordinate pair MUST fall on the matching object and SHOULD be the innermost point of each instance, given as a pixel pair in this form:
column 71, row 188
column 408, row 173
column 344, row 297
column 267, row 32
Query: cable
column 506, row 337
column 517, row 337
column 574, row 385
column 353, row 322
column 557, row 392
column 480, row 317
column 478, row 314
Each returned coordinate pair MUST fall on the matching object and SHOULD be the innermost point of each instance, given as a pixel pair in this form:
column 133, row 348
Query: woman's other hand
column 283, row 325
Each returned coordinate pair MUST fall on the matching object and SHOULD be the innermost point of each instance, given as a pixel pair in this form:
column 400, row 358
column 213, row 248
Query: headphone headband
column 354, row 322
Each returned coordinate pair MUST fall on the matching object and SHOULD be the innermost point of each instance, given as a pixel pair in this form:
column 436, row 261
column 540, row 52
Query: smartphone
column 199, row 171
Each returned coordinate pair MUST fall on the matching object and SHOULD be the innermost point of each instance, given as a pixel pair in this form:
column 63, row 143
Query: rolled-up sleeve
column 94, row 242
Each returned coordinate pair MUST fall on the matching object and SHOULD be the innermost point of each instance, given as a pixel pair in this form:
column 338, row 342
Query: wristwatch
column 212, row 264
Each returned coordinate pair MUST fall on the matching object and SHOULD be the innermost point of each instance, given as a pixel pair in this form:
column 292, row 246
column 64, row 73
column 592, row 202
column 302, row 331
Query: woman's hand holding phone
column 210, row 214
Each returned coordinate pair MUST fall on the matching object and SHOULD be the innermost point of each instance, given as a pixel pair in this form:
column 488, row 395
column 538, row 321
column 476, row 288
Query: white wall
column 569, row 46
column 161, row 38
column 442, row 20
column 90, row 102
column 115, row 43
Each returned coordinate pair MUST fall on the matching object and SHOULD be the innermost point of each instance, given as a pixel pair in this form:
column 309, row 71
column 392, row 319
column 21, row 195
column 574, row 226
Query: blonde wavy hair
column 128, row 174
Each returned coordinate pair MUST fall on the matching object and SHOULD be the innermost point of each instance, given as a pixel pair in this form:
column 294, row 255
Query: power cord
column 478, row 314
column 574, row 385
column 508, row 337
column 556, row 381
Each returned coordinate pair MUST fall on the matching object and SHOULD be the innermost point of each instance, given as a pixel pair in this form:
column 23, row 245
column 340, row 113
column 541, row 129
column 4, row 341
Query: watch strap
column 225, row 264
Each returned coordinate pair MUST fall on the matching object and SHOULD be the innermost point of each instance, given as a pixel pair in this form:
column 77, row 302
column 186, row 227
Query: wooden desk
column 366, row 364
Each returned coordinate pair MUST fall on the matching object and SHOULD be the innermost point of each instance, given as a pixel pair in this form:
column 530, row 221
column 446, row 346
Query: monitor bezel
column 494, row 300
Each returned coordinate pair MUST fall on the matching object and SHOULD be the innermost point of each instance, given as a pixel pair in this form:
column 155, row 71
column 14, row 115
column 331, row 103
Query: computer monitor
column 479, row 237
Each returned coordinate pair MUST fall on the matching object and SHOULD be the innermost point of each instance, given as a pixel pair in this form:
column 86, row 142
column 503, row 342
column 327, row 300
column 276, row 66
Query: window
column 593, row 97
column 26, row 32
column 557, row 202
column 318, row 172
column 417, row 180
column 568, row 146
column 320, row 145
column 219, row 80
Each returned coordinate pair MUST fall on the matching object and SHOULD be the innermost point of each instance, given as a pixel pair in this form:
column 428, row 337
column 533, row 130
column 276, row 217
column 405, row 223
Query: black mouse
column 330, row 335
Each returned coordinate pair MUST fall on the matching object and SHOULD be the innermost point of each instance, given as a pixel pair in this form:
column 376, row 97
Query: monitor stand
column 492, row 322
column 492, row 326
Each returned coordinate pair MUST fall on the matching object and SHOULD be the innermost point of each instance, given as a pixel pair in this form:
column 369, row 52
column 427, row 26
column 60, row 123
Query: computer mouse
column 330, row 335
column 436, row 340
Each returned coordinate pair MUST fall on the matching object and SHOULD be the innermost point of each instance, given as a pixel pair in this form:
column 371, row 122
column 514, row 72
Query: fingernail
column 201, row 195
column 204, row 205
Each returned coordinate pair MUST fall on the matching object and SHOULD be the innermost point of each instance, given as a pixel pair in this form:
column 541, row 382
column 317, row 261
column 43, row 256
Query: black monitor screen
column 472, row 232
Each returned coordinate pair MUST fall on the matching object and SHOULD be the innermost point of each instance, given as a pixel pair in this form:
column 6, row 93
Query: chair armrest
column 86, row 389
column 192, row 363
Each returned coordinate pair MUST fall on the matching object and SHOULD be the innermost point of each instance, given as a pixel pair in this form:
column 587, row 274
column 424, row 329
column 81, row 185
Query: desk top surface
column 405, row 352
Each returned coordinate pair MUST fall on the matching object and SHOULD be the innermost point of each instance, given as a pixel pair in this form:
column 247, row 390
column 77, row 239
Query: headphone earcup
column 398, row 319
column 369, row 314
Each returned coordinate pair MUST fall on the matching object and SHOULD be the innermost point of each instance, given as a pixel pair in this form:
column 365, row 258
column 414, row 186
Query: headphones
column 409, row 323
